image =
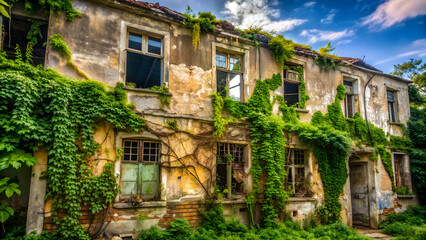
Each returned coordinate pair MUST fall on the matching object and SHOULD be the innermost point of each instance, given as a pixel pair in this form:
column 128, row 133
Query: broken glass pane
column 154, row 45
column 234, row 63
column 235, row 86
column 221, row 82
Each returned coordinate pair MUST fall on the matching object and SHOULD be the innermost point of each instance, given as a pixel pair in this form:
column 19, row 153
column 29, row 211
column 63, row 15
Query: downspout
column 365, row 109
column 260, row 62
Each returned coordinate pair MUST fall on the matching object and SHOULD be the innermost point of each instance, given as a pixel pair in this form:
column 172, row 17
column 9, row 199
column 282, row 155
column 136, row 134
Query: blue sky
column 383, row 32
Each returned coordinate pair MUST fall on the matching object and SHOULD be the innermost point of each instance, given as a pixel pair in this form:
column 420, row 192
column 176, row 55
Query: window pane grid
column 131, row 151
column 296, row 171
column 151, row 151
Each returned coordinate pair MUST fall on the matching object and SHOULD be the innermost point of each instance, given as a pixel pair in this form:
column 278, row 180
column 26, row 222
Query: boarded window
column 144, row 60
column 140, row 169
column 296, row 167
column 230, row 167
column 229, row 75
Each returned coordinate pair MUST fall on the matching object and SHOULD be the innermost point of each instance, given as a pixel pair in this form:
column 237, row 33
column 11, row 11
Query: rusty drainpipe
column 365, row 108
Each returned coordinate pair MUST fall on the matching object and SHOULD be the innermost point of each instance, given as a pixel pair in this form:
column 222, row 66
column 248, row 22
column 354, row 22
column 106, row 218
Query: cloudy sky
column 383, row 32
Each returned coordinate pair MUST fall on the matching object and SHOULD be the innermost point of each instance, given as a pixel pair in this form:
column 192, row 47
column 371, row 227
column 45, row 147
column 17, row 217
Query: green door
column 141, row 180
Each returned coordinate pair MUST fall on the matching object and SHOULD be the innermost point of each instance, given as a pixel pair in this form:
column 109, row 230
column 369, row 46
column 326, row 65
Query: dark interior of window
column 291, row 93
column 237, row 152
column 143, row 70
column 221, row 78
column 391, row 106
column 17, row 34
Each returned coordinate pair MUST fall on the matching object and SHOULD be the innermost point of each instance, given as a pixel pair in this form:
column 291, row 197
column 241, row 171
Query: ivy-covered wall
column 96, row 43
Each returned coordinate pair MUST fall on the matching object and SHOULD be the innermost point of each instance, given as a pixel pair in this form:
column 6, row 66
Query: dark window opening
column 291, row 88
column 291, row 93
column 144, row 60
column 391, row 106
column 349, row 99
column 230, row 165
column 17, row 34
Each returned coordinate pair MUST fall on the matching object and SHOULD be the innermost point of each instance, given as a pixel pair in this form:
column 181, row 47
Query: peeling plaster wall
column 98, row 43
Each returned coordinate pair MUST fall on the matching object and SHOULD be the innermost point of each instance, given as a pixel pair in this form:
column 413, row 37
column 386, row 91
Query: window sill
column 302, row 110
column 145, row 90
column 395, row 123
column 141, row 205
column 232, row 201
column 406, row 196
column 302, row 199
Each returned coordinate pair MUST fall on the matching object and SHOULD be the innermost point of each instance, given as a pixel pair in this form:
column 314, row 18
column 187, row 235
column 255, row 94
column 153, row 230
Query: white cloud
column 344, row 42
column 419, row 43
column 394, row 11
column 418, row 53
column 328, row 19
column 316, row 35
column 260, row 13
column 309, row 4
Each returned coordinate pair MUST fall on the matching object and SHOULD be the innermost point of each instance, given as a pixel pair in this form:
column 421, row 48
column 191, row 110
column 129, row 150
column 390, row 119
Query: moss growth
column 200, row 25
column 163, row 94
column 173, row 125
column 59, row 45
column 400, row 144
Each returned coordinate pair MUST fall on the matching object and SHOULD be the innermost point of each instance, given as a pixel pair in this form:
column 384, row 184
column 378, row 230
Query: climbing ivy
column 42, row 108
column 200, row 25
column 302, row 87
column 49, row 6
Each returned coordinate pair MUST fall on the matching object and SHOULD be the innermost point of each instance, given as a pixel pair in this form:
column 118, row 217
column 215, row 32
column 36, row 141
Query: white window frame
column 146, row 31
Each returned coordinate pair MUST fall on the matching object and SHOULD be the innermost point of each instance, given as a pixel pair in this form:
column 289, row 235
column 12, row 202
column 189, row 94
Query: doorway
column 359, row 194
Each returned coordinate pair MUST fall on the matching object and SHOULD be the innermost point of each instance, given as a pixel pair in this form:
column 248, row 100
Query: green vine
column 303, row 96
column 200, row 25
column 41, row 107
column 59, row 45
column 50, row 6
column 163, row 94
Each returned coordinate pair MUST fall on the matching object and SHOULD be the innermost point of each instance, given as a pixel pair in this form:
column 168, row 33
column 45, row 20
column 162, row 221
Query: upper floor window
column 291, row 87
column 391, row 97
column 296, row 167
column 229, row 75
column 230, row 167
column 15, row 32
column 351, row 97
column 140, row 171
column 144, row 60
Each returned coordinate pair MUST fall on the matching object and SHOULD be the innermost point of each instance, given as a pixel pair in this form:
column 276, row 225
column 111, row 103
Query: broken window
column 349, row 99
column 230, row 168
column 144, row 60
column 15, row 32
column 402, row 171
column 296, row 165
column 291, row 87
column 391, row 105
column 140, row 169
column 229, row 75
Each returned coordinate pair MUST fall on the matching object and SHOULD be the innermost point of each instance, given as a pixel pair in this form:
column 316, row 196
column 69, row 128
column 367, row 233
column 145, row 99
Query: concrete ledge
column 302, row 199
column 233, row 201
column 145, row 90
column 364, row 149
column 406, row 196
column 395, row 123
column 141, row 205
column 302, row 110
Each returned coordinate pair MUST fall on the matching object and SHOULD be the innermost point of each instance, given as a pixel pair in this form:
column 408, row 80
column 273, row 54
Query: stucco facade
column 187, row 164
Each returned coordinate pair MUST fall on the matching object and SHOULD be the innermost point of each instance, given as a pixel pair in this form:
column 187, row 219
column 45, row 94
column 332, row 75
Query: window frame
column 228, row 71
column 349, row 99
column 140, row 161
column 392, row 111
column 230, row 168
column 143, row 30
column 291, row 81
column 293, row 167
column 144, row 51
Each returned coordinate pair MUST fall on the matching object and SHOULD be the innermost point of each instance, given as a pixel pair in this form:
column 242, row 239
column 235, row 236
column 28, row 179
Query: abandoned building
column 166, row 174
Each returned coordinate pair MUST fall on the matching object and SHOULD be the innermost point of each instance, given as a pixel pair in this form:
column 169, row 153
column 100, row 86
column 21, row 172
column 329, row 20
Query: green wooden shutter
column 150, row 181
column 129, row 179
